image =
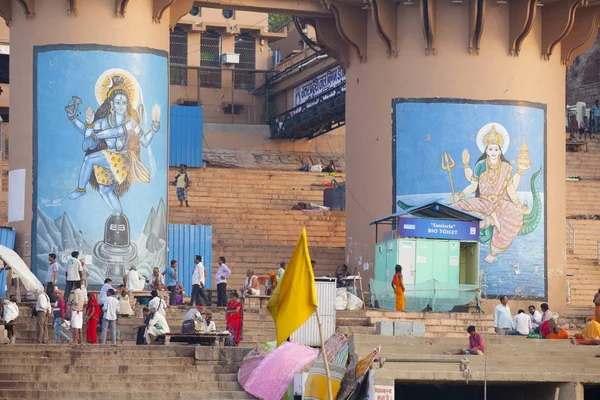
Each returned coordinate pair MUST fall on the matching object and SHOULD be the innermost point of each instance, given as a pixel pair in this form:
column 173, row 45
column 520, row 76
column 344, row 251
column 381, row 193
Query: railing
column 570, row 238
column 312, row 118
column 225, row 97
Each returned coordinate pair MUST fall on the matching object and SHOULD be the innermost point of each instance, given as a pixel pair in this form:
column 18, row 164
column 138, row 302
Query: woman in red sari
column 235, row 317
column 93, row 316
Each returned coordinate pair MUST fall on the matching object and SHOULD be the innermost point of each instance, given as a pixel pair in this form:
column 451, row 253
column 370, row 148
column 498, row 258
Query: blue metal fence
column 186, row 133
column 185, row 242
column 7, row 237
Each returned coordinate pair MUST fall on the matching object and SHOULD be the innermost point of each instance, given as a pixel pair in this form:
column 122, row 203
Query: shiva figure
column 112, row 137
column 496, row 200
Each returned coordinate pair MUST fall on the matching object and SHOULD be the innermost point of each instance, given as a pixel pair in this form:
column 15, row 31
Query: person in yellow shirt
column 182, row 182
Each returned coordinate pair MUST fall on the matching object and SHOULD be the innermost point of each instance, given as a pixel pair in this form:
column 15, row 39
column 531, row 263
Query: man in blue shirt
column 171, row 281
column 596, row 112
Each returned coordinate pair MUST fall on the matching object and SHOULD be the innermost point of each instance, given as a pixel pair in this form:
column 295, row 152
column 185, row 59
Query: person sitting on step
column 157, row 327
column 553, row 331
column 251, row 286
column 476, row 344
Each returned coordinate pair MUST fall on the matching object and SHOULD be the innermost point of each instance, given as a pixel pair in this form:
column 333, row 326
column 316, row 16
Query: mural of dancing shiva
column 111, row 140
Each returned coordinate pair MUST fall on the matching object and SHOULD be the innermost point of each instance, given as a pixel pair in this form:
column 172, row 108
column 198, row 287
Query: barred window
column 245, row 46
column 178, row 56
column 210, row 51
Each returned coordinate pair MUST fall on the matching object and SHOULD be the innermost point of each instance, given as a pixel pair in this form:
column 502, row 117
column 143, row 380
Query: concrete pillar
column 571, row 391
column 108, row 37
column 453, row 73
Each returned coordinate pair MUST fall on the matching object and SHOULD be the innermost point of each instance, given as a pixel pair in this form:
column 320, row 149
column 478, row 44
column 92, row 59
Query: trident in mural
column 447, row 165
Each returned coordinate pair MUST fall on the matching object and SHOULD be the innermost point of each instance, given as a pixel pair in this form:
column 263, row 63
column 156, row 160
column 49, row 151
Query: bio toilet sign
column 384, row 392
column 439, row 229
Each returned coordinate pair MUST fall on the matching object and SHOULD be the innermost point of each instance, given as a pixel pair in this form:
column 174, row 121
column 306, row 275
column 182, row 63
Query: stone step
column 124, row 386
column 118, row 395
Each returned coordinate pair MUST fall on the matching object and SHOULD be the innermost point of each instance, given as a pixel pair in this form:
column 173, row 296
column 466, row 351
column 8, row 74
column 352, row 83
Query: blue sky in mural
column 424, row 131
column 66, row 73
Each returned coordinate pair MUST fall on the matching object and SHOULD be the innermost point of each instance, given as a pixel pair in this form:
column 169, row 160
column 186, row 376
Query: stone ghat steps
column 119, row 372
column 585, row 280
column 582, row 197
column 273, row 227
column 65, row 394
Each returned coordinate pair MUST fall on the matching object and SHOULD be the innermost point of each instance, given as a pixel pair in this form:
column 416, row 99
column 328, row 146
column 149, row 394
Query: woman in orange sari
column 235, row 318
column 398, row 286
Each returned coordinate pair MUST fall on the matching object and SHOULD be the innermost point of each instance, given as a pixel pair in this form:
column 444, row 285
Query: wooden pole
column 362, row 293
column 327, row 373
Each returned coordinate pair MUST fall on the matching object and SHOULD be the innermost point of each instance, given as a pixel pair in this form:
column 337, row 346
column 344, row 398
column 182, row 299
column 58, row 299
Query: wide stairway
column 65, row 372
column 253, row 223
column 583, row 225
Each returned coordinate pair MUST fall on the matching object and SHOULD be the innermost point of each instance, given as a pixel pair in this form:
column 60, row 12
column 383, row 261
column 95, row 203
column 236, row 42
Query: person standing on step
column 171, row 281
column 51, row 274
column 398, row 286
column 199, row 296
column 111, row 309
column 280, row 272
column 60, row 308
column 93, row 318
column 43, row 309
column 223, row 273
column 182, row 182
column 74, row 270
column 79, row 298
column 103, row 294
column 502, row 317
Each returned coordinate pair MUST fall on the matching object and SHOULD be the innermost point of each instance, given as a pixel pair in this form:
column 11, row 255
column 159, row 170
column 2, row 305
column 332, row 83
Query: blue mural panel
column 186, row 136
column 185, row 242
column 100, row 158
column 486, row 158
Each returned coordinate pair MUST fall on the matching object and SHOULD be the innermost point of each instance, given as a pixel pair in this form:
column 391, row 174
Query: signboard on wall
column 319, row 85
column 439, row 229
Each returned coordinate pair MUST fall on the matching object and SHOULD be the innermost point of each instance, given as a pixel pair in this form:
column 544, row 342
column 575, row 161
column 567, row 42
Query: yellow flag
column 295, row 297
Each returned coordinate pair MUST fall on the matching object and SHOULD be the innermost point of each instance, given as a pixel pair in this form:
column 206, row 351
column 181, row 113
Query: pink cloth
column 493, row 197
column 476, row 343
column 273, row 376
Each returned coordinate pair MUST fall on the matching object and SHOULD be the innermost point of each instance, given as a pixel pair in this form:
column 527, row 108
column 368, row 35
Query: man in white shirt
column 199, row 296
column 157, row 327
column 51, row 274
column 221, row 277
column 133, row 280
column 536, row 318
column 79, row 299
column 502, row 317
column 522, row 324
column 111, row 308
column 43, row 309
column 74, row 269
column 158, row 304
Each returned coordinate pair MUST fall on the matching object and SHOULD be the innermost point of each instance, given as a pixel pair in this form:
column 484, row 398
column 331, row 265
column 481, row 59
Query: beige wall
column 453, row 72
column 95, row 23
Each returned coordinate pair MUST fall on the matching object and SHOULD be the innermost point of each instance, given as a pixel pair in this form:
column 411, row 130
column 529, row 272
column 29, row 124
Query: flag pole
column 327, row 373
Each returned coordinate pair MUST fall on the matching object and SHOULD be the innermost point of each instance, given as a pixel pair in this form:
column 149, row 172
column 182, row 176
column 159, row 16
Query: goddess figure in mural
column 111, row 138
column 495, row 188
